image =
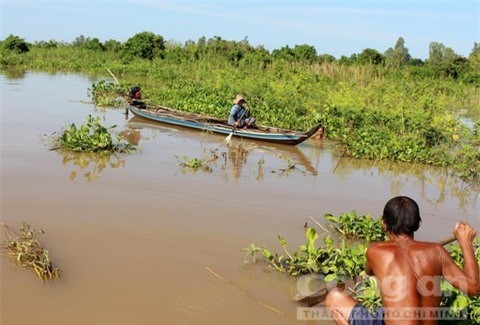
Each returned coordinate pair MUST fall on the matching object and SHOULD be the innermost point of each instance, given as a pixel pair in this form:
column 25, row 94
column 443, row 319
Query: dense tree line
column 442, row 60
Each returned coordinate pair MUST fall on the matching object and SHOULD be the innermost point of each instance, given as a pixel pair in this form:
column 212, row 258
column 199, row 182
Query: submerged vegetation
column 376, row 105
column 90, row 137
column 338, row 260
column 25, row 250
column 288, row 168
column 195, row 164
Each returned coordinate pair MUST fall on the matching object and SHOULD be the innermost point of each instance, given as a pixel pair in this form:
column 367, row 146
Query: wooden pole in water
column 246, row 294
column 116, row 80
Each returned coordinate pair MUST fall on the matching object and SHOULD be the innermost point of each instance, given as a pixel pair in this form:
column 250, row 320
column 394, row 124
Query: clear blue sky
column 333, row 27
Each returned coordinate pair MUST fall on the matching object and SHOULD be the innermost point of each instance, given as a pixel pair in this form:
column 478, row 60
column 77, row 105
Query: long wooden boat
column 202, row 122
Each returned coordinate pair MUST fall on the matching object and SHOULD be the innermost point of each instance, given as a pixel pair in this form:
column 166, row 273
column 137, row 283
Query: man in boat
column 240, row 114
column 135, row 95
column 408, row 272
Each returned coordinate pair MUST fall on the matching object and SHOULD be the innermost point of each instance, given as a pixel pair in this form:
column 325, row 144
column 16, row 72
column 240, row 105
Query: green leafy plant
column 104, row 93
column 367, row 292
column 330, row 260
column 197, row 163
column 25, row 250
column 356, row 226
column 194, row 163
column 14, row 44
column 288, row 168
column 454, row 298
column 90, row 137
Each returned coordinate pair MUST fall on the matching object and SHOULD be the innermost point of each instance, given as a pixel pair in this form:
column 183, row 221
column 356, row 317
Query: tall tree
column 305, row 52
column 398, row 56
column 439, row 54
column 94, row 44
column 80, row 40
column 474, row 57
column 284, row 52
column 145, row 45
column 371, row 56
column 112, row 45
column 14, row 44
column 445, row 61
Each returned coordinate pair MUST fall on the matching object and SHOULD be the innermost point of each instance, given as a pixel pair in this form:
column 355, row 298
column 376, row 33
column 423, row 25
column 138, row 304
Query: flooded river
column 140, row 240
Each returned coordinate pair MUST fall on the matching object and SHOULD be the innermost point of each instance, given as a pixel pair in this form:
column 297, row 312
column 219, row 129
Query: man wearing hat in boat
column 240, row 114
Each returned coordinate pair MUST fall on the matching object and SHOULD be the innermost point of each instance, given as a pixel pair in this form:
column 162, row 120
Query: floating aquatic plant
column 195, row 164
column 90, row 137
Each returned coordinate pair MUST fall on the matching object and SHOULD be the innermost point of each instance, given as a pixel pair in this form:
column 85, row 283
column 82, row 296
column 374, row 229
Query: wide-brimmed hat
column 238, row 99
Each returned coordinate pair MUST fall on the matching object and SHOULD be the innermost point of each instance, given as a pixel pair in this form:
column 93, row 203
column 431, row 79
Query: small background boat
column 202, row 122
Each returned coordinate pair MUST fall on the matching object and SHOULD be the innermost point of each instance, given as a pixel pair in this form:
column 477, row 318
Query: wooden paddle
column 320, row 295
column 447, row 240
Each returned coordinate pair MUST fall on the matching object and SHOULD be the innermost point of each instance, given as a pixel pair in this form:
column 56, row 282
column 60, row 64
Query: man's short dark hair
column 401, row 216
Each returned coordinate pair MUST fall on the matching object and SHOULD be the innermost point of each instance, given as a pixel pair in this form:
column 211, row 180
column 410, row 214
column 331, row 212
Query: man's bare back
column 409, row 274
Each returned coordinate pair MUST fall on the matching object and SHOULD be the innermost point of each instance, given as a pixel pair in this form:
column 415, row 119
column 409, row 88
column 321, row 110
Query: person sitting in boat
column 135, row 97
column 240, row 114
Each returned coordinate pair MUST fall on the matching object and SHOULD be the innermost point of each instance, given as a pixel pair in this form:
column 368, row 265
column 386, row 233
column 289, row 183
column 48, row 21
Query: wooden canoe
column 202, row 122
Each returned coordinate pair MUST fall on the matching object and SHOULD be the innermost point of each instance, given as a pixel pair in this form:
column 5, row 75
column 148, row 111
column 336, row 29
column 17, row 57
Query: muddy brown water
column 139, row 240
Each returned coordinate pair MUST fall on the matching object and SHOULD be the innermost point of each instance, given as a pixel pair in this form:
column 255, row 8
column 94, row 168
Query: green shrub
column 15, row 44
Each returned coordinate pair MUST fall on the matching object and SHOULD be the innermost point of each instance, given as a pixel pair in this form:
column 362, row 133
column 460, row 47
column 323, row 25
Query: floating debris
column 26, row 250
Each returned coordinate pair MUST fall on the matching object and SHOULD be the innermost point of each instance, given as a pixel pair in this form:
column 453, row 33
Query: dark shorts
column 249, row 121
column 362, row 316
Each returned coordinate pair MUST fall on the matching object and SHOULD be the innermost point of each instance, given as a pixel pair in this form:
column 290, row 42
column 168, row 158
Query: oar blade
column 228, row 139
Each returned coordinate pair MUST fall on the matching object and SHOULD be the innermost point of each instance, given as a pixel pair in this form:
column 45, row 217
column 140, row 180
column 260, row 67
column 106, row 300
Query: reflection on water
column 89, row 164
column 435, row 184
column 260, row 173
column 92, row 164
column 14, row 73
column 236, row 156
column 132, row 136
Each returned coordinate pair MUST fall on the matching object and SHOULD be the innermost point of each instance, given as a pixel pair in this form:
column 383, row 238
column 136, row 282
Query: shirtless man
column 408, row 271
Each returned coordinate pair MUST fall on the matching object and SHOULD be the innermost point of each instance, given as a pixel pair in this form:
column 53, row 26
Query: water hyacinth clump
column 106, row 94
column 90, row 137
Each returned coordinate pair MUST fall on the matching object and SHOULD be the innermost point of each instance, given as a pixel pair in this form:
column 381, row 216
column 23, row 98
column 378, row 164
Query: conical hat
column 238, row 99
